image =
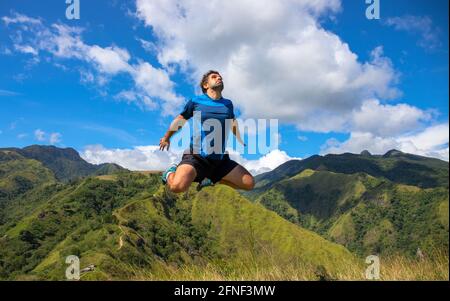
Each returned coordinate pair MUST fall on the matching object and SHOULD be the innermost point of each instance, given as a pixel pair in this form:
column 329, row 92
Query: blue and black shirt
column 212, row 121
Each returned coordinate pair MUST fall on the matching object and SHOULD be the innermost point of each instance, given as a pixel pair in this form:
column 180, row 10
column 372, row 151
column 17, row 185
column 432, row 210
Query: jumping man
column 206, row 162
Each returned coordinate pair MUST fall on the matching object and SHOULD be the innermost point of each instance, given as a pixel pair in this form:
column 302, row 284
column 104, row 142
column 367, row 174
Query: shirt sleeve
column 188, row 110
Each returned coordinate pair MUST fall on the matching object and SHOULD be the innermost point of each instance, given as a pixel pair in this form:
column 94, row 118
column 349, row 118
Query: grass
column 395, row 268
column 107, row 177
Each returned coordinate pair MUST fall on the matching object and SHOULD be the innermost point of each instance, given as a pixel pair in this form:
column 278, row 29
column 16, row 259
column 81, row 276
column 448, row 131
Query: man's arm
column 176, row 124
column 235, row 130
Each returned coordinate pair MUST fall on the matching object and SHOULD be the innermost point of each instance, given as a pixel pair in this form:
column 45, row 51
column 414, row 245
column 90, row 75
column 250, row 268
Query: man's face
column 215, row 82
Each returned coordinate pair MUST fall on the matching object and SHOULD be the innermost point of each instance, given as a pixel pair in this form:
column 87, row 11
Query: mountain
column 65, row 163
column 395, row 166
column 394, row 203
column 128, row 221
column 302, row 223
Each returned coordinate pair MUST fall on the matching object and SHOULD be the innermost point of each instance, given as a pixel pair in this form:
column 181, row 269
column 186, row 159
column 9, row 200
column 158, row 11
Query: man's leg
column 239, row 178
column 182, row 178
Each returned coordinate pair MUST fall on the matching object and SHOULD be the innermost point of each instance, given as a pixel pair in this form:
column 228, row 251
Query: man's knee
column 248, row 181
column 178, row 187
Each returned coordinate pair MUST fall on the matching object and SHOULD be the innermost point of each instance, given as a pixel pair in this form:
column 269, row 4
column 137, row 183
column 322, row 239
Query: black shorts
column 214, row 170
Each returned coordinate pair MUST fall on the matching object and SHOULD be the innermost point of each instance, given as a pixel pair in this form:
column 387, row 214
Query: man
column 206, row 161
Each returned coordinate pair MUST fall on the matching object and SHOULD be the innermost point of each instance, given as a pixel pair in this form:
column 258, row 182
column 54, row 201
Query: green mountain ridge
column 366, row 214
column 395, row 166
column 131, row 222
column 313, row 223
column 65, row 163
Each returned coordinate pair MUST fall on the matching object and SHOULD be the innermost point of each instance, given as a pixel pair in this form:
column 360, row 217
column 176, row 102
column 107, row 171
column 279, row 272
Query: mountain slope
column 395, row 166
column 366, row 214
column 130, row 222
column 19, row 174
column 65, row 163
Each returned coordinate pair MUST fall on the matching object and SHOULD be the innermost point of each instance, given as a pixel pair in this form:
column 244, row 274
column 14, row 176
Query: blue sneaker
column 172, row 168
column 206, row 182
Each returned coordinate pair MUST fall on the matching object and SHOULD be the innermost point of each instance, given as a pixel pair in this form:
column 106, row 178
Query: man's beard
column 218, row 87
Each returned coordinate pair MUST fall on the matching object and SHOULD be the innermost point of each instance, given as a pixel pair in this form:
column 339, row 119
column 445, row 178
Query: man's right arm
column 176, row 124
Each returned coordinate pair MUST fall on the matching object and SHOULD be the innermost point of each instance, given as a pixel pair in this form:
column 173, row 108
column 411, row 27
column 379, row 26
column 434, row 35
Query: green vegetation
column 300, row 227
column 66, row 164
column 368, row 215
column 395, row 166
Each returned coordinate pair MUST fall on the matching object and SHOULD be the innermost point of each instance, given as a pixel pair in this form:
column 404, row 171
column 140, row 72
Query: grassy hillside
column 303, row 226
column 395, row 166
column 19, row 174
column 128, row 222
column 65, row 163
column 366, row 214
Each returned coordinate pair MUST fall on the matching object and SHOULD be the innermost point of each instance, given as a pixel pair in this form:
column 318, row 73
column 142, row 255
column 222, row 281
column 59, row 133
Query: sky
column 109, row 83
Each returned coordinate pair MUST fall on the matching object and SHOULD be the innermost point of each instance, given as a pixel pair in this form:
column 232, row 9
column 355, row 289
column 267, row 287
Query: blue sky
column 372, row 84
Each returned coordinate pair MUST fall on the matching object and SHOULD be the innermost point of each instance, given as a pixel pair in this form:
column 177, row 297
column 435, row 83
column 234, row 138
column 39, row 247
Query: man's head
column 211, row 80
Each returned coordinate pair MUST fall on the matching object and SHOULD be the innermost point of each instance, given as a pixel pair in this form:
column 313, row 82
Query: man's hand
column 163, row 143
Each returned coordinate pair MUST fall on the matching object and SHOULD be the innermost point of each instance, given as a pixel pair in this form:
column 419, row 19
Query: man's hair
column 205, row 78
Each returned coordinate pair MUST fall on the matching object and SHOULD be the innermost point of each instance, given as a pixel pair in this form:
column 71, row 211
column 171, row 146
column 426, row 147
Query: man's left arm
column 235, row 130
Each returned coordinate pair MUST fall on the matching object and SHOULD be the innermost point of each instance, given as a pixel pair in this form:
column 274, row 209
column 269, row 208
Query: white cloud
column 26, row 49
column 19, row 18
column 152, row 86
column 148, row 46
column 39, row 135
column 265, row 163
column 155, row 83
column 151, row 158
column 20, row 136
column 141, row 99
column 277, row 63
column 55, row 138
column 138, row 158
column 387, row 120
column 421, row 26
column 431, row 142
column 110, row 60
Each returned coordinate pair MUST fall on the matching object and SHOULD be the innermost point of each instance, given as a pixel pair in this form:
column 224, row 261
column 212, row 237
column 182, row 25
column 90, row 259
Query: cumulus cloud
column 431, row 142
column 151, row 158
column 387, row 120
column 265, row 163
column 279, row 58
column 138, row 158
column 151, row 85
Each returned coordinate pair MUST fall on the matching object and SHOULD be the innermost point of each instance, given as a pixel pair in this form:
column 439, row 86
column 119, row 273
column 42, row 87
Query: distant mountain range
column 307, row 219
column 65, row 163
column 396, row 202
